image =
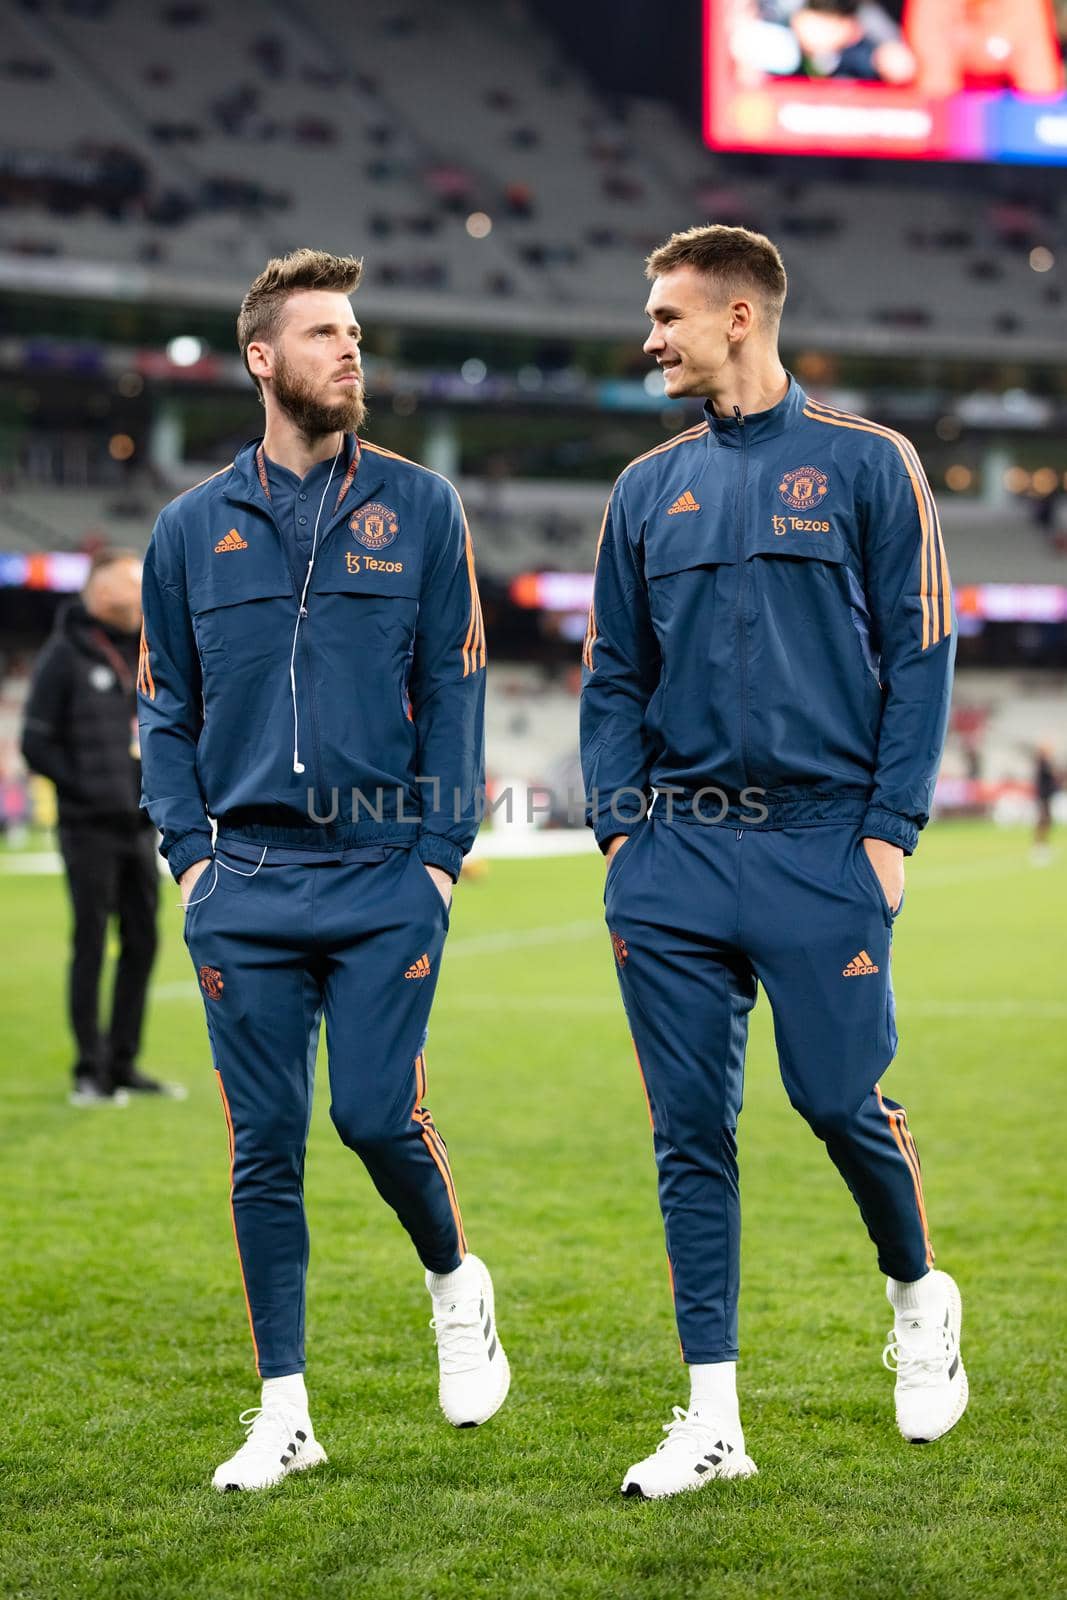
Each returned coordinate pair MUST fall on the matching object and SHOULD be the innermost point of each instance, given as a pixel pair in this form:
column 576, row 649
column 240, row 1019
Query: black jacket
column 80, row 726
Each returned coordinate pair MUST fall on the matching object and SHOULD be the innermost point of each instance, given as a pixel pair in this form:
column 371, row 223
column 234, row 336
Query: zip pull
column 303, row 611
column 739, row 416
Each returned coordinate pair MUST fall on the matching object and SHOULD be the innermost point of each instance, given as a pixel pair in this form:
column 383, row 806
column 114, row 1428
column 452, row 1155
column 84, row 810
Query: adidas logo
column 419, row 968
column 231, row 541
column 859, row 967
column 684, row 502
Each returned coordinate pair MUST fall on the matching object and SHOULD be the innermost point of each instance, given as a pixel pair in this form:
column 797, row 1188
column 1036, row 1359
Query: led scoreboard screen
column 925, row 80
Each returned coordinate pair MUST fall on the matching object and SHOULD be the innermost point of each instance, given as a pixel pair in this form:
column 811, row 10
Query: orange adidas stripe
column 935, row 594
column 644, row 1085
column 690, row 435
column 209, row 479
column 931, row 564
column 917, row 1170
column 474, row 644
column 695, row 432
column 145, row 681
column 898, row 1124
column 590, row 630
column 474, row 655
column 233, row 1217
column 652, row 1125
column 436, row 1146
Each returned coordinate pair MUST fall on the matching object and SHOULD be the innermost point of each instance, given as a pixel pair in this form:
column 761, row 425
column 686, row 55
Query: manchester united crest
column 211, row 982
column 803, row 488
column 375, row 526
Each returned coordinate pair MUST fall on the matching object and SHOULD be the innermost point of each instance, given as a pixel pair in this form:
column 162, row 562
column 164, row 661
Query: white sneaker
column 695, row 1451
column 924, row 1352
column 279, row 1441
column 474, row 1371
column 86, row 1092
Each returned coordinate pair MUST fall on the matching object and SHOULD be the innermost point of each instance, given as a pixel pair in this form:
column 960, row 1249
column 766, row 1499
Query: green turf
column 124, row 1350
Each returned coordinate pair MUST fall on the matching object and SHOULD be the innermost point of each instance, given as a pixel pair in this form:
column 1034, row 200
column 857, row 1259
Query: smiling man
column 312, row 679
column 767, row 676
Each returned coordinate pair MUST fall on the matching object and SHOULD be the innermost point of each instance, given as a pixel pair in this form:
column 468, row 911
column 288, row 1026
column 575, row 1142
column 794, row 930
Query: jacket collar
column 247, row 483
column 758, row 425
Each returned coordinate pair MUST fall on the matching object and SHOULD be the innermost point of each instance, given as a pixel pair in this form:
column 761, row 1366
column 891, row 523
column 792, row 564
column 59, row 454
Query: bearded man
column 312, row 679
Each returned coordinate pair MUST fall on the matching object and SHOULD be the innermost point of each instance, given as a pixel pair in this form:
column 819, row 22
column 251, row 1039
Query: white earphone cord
column 298, row 765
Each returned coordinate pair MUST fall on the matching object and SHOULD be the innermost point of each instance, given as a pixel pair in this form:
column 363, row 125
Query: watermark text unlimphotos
column 535, row 803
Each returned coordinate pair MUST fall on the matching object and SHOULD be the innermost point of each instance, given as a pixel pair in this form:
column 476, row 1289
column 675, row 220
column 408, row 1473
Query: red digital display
column 963, row 80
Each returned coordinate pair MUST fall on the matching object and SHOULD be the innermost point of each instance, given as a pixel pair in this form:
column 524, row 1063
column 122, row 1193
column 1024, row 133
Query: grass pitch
column 125, row 1353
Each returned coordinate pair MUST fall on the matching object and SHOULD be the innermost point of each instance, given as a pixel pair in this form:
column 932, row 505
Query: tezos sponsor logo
column 784, row 525
column 355, row 563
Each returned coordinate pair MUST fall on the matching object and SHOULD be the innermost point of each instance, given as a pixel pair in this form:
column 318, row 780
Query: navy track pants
column 698, row 915
column 356, row 937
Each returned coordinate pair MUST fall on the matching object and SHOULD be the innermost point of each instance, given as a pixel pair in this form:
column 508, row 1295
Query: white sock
column 289, row 1392
column 713, row 1391
column 465, row 1278
column 924, row 1297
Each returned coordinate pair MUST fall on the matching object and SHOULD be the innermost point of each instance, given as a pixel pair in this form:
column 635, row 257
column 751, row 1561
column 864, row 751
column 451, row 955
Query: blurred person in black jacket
column 81, row 731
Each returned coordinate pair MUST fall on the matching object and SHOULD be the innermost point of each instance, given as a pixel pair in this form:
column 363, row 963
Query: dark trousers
column 279, row 944
column 698, row 916
column 110, row 872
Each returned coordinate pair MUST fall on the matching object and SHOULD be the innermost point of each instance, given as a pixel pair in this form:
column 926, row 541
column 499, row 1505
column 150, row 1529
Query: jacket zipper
column 305, row 647
column 742, row 659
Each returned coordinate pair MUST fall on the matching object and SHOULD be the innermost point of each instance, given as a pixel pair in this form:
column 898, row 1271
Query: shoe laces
column 266, row 1426
column 689, row 1431
column 918, row 1354
column 461, row 1339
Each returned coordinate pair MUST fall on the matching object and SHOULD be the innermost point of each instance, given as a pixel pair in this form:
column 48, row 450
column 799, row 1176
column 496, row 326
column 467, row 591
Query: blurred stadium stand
column 521, row 525
column 175, row 146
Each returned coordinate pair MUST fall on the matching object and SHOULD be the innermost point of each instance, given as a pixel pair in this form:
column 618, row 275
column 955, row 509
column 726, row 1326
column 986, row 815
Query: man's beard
column 314, row 418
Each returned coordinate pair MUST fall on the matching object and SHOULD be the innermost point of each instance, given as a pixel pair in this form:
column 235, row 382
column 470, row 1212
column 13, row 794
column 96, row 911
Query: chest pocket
column 799, row 538
column 363, row 575
column 236, row 609
column 689, row 566
column 687, row 542
column 371, row 603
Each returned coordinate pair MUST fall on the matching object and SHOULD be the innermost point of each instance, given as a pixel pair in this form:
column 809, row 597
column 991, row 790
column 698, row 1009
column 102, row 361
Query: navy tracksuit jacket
column 767, row 677
column 328, row 716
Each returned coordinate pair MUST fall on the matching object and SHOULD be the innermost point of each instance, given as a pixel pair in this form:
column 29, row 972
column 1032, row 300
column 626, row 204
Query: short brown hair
column 737, row 257
column 261, row 308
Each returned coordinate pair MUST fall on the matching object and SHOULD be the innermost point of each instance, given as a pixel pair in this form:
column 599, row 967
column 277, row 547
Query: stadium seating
column 226, row 108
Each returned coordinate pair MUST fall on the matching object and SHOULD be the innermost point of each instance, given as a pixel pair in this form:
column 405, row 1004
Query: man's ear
column 742, row 318
column 260, row 359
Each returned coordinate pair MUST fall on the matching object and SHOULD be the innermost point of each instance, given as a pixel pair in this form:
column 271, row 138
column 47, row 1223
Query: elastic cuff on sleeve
column 436, row 851
column 894, row 829
column 180, row 853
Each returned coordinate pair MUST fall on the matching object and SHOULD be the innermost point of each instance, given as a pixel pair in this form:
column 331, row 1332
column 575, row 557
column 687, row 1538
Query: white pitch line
column 975, row 1010
column 979, row 1010
column 487, row 944
column 965, row 872
column 983, row 1008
